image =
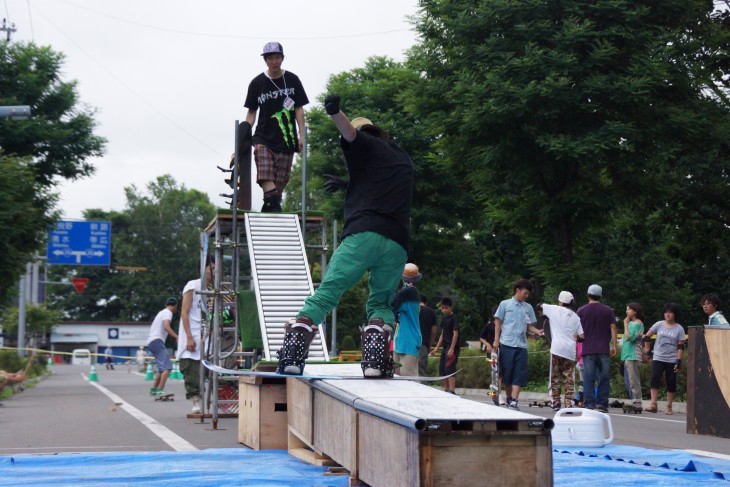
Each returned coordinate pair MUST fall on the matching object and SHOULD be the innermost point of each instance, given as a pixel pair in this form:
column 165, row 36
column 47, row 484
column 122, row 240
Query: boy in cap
column 280, row 97
column 161, row 327
column 599, row 328
column 565, row 328
column 406, row 307
column 375, row 240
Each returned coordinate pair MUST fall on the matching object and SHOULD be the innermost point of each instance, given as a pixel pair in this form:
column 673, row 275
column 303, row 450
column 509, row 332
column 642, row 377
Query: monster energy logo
column 284, row 118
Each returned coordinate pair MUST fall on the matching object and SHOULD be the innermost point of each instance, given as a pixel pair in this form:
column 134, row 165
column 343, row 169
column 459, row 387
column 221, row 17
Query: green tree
column 159, row 232
column 56, row 142
column 563, row 113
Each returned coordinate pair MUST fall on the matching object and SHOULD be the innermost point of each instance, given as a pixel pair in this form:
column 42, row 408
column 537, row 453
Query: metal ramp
column 281, row 278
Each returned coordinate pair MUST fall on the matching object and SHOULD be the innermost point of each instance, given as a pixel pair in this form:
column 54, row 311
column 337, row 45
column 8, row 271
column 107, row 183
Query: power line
column 231, row 36
column 129, row 88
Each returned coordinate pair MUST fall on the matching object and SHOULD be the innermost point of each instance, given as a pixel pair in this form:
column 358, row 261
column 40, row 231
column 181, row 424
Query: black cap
column 171, row 302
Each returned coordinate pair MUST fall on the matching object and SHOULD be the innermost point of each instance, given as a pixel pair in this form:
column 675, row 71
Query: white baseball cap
column 595, row 290
column 565, row 297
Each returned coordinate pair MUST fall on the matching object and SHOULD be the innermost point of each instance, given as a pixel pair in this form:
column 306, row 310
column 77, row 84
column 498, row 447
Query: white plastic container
column 582, row 427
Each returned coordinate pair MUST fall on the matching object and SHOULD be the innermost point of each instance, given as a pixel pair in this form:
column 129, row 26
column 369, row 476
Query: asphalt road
column 67, row 413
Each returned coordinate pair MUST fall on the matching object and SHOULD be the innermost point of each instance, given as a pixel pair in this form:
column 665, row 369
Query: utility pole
column 8, row 29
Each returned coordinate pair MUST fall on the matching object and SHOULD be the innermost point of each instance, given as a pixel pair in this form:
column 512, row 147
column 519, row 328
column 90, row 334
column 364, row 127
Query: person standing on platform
column 711, row 306
column 159, row 330
column 279, row 98
column 408, row 338
column 188, row 344
column 375, row 240
column 449, row 338
column 427, row 322
column 514, row 317
column 565, row 329
column 599, row 328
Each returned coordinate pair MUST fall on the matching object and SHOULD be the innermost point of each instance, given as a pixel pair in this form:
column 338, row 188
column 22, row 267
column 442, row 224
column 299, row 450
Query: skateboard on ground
column 165, row 397
column 253, row 373
column 494, row 386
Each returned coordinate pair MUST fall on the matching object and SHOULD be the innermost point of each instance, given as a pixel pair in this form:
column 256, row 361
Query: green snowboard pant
column 370, row 252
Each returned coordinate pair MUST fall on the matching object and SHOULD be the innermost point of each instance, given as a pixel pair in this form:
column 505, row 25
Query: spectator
column 281, row 98
column 599, row 328
column 408, row 340
column 486, row 337
column 189, row 340
column 140, row 358
column 565, row 328
column 427, row 321
column 631, row 351
column 667, row 355
column 513, row 318
column 711, row 306
column 450, row 340
column 109, row 357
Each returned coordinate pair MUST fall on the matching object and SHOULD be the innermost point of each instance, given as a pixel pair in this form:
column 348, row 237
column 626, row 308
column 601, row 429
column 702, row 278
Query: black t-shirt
column 488, row 332
column 449, row 324
column 379, row 193
column 427, row 320
column 276, row 127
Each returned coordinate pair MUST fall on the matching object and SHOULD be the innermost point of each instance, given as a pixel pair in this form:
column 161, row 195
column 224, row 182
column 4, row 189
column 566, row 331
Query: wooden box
column 388, row 433
column 262, row 414
column 708, row 382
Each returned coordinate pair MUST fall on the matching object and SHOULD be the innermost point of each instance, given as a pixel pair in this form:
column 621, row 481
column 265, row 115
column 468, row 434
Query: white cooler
column 582, row 427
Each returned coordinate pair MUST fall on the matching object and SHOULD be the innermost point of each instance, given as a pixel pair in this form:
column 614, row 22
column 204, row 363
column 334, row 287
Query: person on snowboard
column 375, row 239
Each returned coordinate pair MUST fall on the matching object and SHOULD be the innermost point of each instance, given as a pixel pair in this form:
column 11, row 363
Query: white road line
column 710, row 454
column 644, row 417
column 175, row 441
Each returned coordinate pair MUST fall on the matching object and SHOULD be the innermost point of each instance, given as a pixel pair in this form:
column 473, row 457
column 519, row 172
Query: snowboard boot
column 298, row 337
column 376, row 358
column 272, row 202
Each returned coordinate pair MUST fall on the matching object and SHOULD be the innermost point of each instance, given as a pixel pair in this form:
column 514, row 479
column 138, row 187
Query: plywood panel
column 388, row 454
column 248, row 414
column 299, row 408
column 335, row 430
column 262, row 419
column 718, row 344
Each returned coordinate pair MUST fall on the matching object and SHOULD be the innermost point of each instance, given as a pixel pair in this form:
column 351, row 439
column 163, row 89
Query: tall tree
column 562, row 112
column 56, row 142
column 159, row 233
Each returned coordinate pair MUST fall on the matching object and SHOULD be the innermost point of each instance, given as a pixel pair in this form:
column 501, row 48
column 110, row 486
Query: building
column 124, row 337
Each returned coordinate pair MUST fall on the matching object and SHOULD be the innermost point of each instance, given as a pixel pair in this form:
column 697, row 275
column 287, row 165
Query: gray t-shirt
column 667, row 341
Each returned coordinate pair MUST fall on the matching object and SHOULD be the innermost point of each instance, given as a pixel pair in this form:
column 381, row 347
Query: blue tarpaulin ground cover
column 613, row 465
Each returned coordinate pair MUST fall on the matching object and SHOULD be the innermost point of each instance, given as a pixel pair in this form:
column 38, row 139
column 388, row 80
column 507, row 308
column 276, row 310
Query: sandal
column 651, row 409
column 669, row 410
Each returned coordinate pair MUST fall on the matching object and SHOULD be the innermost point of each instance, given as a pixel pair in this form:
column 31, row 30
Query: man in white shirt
column 565, row 327
column 160, row 328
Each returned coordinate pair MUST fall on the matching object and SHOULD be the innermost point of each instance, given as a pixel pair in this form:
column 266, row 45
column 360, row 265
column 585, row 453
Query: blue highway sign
column 80, row 243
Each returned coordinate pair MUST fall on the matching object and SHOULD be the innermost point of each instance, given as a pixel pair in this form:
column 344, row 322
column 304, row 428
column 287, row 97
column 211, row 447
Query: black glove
column 332, row 104
column 334, row 184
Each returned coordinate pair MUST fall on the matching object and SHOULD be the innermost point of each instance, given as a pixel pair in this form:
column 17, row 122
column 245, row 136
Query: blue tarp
column 613, row 465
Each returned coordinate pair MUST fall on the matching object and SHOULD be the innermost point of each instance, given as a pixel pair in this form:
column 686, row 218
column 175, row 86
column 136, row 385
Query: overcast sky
column 168, row 78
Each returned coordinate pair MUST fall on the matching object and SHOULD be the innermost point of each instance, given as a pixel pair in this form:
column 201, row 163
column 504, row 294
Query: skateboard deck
column 252, row 373
column 166, row 397
column 494, row 386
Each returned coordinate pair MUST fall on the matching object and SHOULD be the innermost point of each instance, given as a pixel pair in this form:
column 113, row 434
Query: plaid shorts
column 272, row 166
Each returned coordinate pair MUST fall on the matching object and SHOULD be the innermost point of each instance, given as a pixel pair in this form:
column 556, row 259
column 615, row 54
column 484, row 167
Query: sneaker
column 602, row 408
column 502, row 402
column 153, row 391
column 513, row 405
column 196, row 405
column 162, row 392
column 555, row 406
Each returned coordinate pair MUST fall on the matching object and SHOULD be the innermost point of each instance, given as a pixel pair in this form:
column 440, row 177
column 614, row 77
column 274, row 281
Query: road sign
column 80, row 243
column 79, row 283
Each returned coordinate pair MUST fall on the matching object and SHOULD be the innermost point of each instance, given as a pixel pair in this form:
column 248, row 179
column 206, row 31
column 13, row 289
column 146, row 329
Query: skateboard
column 494, row 386
column 166, row 397
column 630, row 408
column 253, row 373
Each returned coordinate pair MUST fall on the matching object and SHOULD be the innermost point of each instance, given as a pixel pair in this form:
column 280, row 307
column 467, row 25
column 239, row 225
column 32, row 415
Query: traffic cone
column 150, row 374
column 50, row 361
column 175, row 374
column 92, row 375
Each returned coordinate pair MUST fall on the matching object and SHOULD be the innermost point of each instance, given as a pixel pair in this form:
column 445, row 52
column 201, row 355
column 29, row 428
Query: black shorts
column 451, row 368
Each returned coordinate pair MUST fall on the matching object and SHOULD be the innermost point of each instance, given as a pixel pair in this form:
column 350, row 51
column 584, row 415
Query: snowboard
column 494, row 386
column 252, row 373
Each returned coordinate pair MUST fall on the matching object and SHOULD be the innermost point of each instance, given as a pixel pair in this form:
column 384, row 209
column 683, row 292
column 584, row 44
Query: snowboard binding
column 295, row 350
column 377, row 361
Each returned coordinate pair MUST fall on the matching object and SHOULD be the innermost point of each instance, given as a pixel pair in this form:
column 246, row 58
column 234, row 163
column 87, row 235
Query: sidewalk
column 527, row 396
